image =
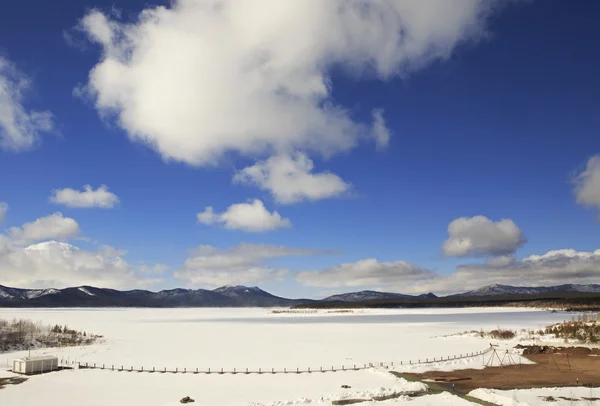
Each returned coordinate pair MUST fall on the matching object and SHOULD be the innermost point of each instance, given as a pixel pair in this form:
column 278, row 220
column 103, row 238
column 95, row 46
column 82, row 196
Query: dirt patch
column 553, row 367
column 15, row 380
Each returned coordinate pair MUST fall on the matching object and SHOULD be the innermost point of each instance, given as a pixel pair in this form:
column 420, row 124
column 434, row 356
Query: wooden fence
column 297, row 370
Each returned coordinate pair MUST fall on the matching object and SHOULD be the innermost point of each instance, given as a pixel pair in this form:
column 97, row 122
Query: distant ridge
column 496, row 289
column 89, row 296
column 244, row 296
column 372, row 295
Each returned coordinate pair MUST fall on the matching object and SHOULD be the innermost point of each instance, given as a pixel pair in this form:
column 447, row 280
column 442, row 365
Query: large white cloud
column 252, row 217
column 3, row 210
column 480, row 236
column 587, row 184
column 19, row 128
column 54, row 226
column 200, row 78
column 59, row 265
column 209, row 266
column 290, row 179
column 366, row 272
column 88, row 197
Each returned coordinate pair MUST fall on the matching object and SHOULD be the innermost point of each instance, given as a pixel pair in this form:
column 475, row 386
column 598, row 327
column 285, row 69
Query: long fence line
column 297, row 370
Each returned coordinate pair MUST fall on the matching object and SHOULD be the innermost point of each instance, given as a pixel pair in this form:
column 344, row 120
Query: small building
column 35, row 365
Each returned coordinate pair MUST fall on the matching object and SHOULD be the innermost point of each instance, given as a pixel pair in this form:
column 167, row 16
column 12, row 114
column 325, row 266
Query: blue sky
column 433, row 147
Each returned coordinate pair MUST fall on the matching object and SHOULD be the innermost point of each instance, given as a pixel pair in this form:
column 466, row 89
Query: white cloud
column 59, row 265
column 87, row 198
column 3, row 210
column 380, row 131
column 54, row 226
column 252, row 217
column 587, row 184
column 291, row 180
column 19, row 128
column 552, row 268
column 200, row 78
column 366, row 272
column 244, row 264
column 480, row 236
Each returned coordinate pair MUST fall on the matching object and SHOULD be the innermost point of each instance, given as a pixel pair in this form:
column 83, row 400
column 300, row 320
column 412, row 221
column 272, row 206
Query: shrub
column 502, row 334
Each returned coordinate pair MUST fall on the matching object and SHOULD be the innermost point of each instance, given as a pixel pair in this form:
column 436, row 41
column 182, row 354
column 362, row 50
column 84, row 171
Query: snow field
column 253, row 338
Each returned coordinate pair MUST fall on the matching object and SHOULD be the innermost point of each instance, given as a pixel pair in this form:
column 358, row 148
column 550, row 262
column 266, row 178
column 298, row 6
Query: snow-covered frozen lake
column 250, row 338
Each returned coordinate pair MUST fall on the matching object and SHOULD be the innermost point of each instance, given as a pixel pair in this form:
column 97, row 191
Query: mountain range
column 239, row 296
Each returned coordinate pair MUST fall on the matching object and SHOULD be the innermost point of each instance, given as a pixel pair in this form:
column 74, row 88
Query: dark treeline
column 574, row 301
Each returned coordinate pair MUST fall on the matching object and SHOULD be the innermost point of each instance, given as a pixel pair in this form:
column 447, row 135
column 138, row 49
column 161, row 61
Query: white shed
column 33, row 365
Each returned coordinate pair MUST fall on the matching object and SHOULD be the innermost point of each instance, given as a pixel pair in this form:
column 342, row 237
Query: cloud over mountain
column 366, row 272
column 243, row 264
column 552, row 268
column 30, row 257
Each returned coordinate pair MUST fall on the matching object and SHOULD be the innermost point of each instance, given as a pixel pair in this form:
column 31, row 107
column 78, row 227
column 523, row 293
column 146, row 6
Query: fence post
column 343, row 368
column 284, row 370
column 234, row 370
column 184, row 370
column 259, row 370
column 272, row 370
column 153, row 369
column 176, row 369
column 246, row 370
column 309, row 370
column 297, row 370
column 142, row 369
column 221, row 370
column 321, row 368
column 113, row 367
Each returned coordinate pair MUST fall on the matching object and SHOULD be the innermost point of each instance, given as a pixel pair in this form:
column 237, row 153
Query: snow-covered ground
column 542, row 396
column 256, row 338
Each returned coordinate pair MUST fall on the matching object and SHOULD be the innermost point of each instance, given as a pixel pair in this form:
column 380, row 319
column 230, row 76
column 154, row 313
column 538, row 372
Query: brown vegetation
column 500, row 334
column 554, row 367
column 20, row 334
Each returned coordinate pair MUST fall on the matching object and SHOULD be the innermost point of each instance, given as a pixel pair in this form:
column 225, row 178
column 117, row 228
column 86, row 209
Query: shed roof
column 40, row 358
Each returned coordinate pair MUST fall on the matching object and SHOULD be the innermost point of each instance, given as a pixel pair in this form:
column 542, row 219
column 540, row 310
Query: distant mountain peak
column 498, row 289
column 238, row 289
column 364, row 295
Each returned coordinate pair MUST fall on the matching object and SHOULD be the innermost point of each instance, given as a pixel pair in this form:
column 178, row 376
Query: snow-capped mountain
column 496, row 289
column 24, row 294
column 244, row 296
column 372, row 295
column 226, row 296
